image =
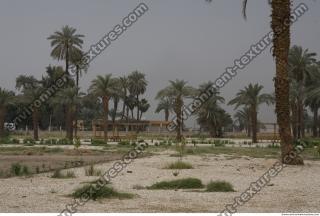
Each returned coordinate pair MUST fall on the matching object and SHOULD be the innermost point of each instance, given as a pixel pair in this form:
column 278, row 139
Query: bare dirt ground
column 295, row 189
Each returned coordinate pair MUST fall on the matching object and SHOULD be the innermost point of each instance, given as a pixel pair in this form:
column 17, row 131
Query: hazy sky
column 176, row 39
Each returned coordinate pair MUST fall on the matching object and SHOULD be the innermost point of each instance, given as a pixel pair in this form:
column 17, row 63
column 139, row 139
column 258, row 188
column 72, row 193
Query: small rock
column 129, row 171
column 270, row 185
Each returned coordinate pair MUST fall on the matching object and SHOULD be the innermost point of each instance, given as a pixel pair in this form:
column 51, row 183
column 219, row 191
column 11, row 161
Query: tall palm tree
column 143, row 107
column 103, row 87
column 243, row 120
column 70, row 98
column 66, row 43
column 300, row 62
column 178, row 90
column 6, row 99
column 280, row 14
column 251, row 97
column 31, row 90
column 124, row 83
column 166, row 105
column 137, row 86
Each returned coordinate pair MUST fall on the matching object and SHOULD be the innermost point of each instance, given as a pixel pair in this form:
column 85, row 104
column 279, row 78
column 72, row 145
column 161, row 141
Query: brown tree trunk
column 315, row 122
column 2, row 118
column 166, row 113
column 281, row 11
column 178, row 111
column 105, row 101
column 254, row 124
column 294, row 120
column 69, row 123
column 35, row 122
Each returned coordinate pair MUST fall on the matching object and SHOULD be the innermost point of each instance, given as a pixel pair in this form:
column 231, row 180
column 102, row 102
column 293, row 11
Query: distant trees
column 251, row 97
column 103, row 87
column 178, row 90
column 6, row 98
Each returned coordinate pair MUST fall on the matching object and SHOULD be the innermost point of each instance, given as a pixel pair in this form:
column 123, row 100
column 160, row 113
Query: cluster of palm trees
column 68, row 104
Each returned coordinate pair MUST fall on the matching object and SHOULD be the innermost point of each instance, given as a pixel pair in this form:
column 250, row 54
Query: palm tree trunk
column 138, row 107
column 166, row 113
column 281, row 11
column 35, row 121
column 315, row 122
column 294, row 121
column 254, row 124
column 178, row 107
column 69, row 123
column 2, row 119
column 105, row 120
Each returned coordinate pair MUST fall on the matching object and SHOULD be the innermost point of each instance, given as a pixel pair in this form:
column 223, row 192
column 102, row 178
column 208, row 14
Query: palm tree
column 281, row 12
column 103, row 87
column 137, row 86
column 300, row 62
column 243, row 120
column 166, row 105
column 124, row 83
column 143, row 107
column 31, row 90
column 70, row 98
column 6, row 99
column 66, row 43
column 178, row 90
column 251, row 97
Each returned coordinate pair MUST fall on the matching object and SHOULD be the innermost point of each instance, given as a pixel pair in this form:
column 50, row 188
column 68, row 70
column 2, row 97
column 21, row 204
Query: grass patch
column 179, row 165
column 187, row 183
column 91, row 171
column 103, row 192
column 18, row 170
column 219, row 186
column 59, row 175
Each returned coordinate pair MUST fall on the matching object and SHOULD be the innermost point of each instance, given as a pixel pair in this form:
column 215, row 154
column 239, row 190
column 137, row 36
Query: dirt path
column 296, row 189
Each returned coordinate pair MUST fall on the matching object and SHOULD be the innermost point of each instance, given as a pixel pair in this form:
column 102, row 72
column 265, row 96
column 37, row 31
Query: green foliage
column 7, row 140
column 18, row 170
column 219, row 186
column 179, row 165
column 98, row 142
column 59, row 175
column 186, row 183
column 96, row 193
column 77, row 143
column 29, row 141
column 91, row 171
column 219, row 143
column 124, row 143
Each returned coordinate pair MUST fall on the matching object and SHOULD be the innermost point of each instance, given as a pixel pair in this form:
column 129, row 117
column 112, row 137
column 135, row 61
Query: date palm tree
column 242, row 118
column 251, row 97
column 103, row 87
column 300, row 62
column 31, row 90
column 6, row 99
column 178, row 90
column 137, row 86
column 66, row 43
column 124, row 83
column 165, row 104
column 143, row 107
column 70, row 98
column 280, row 14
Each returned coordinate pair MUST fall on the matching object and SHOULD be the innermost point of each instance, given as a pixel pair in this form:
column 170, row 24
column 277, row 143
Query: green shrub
column 98, row 142
column 58, row 174
column 64, row 141
column 29, row 141
column 219, row 186
column 218, row 143
column 124, row 143
column 187, row 183
column 16, row 169
column 179, row 165
column 103, row 192
column 91, row 171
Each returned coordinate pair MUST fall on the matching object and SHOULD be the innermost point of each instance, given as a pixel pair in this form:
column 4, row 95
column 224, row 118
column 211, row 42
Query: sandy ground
column 296, row 189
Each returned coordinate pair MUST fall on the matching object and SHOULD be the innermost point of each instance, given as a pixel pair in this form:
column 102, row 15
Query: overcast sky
column 176, row 39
